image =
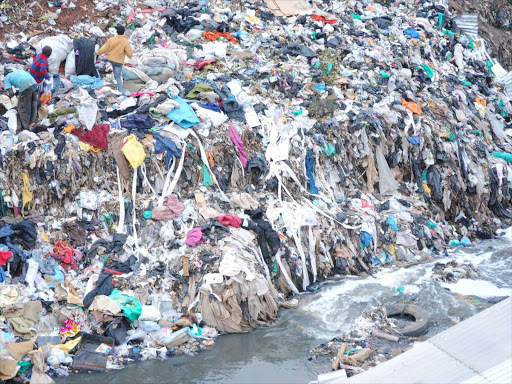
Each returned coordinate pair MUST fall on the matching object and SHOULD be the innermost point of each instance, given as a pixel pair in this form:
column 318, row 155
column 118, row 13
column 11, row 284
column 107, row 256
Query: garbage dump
column 453, row 271
column 375, row 340
column 236, row 154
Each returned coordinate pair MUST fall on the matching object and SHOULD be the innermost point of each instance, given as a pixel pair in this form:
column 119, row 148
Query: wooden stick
column 339, row 356
column 385, row 336
column 359, row 357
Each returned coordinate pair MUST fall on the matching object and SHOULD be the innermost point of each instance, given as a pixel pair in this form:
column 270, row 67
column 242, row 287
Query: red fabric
column 97, row 136
column 230, row 220
column 324, row 20
column 4, row 256
column 64, row 253
column 202, row 63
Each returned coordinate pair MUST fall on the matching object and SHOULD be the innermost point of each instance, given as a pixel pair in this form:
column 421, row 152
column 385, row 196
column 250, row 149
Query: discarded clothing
column 97, row 137
column 230, row 220
column 87, row 81
column 194, row 237
column 171, row 209
column 183, row 116
column 235, row 138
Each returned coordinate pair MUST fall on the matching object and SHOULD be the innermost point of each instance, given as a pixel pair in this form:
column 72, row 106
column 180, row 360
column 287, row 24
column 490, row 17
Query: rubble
column 265, row 146
column 453, row 271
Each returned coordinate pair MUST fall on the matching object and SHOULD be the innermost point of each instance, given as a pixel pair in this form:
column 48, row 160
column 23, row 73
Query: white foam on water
column 480, row 288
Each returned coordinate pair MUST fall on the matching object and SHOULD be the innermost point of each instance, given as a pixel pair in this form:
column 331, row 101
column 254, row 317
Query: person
column 27, row 99
column 117, row 48
column 39, row 68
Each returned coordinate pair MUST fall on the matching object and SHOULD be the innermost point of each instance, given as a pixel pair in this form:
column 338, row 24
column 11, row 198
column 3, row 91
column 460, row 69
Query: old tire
column 419, row 326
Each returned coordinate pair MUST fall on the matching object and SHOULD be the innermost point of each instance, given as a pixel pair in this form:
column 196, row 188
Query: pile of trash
column 451, row 272
column 374, row 339
column 265, row 147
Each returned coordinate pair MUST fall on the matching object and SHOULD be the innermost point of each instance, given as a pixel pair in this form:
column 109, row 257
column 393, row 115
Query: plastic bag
column 130, row 306
column 61, row 46
column 70, row 68
column 88, row 109
column 133, row 151
column 387, row 182
column 46, row 91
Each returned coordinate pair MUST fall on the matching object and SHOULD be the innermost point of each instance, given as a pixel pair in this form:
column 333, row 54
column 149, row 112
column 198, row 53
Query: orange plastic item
column 413, row 107
column 45, row 98
column 479, row 100
column 211, row 161
column 212, row 36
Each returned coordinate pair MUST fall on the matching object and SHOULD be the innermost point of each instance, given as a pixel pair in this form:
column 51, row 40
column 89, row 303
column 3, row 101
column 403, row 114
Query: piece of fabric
column 267, row 236
column 310, row 170
column 60, row 112
column 184, row 116
column 198, row 88
column 4, row 256
column 86, row 81
column 171, row 209
column 20, row 80
column 235, row 138
column 116, row 48
column 39, row 68
column 27, row 106
column 414, row 140
column 324, row 20
column 103, row 287
column 115, row 142
column 413, row 107
column 366, row 239
column 97, row 137
column 164, row 144
column 21, row 349
column 204, row 210
column 212, row 36
column 244, row 201
column 84, row 57
column 194, row 237
column 230, row 220
column 23, row 317
column 412, row 33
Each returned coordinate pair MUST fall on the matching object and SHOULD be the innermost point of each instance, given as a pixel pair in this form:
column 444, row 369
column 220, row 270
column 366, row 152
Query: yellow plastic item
column 26, row 196
column 67, row 347
column 69, row 128
column 426, row 188
column 133, row 151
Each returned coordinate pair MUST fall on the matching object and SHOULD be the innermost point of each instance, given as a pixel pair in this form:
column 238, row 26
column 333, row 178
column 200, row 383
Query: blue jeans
column 57, row 84
column 118, row 74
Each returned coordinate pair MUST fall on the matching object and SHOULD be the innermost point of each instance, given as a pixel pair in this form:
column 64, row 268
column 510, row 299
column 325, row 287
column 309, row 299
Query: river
column 279, row 353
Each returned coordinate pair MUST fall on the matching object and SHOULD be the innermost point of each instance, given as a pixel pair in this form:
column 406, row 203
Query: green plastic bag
column 356, row 17
column 129, row 305
column 24, row 366
column 504, row 155
column 430, row 72
column 207, row 179
column 329, row 149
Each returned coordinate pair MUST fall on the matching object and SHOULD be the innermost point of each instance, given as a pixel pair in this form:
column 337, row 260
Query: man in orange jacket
column 117, row 48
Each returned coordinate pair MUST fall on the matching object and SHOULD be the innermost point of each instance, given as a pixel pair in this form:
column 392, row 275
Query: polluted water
column 280, row 353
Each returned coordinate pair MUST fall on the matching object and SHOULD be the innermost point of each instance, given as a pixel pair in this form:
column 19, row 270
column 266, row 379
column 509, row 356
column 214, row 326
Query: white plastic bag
column 387, row 182
column 70, row 68
column 61, row 46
